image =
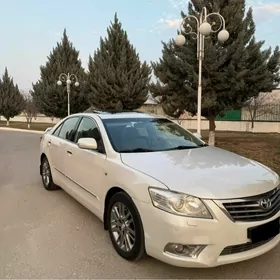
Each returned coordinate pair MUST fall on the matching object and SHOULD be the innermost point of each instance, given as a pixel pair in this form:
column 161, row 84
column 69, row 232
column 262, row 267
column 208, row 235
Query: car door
column 56, row 144
column 84, row 167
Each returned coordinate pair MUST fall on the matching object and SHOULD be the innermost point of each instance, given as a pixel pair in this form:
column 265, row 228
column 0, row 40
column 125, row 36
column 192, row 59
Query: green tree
column 12, row 102
column 51, row 99
column 233, row 71
column 117, row 78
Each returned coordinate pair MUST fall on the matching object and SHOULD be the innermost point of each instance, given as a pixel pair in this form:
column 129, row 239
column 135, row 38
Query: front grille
column 257, row 208
column 235, row 249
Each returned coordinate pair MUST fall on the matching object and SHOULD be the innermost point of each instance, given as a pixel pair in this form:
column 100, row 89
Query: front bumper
column 225, row 240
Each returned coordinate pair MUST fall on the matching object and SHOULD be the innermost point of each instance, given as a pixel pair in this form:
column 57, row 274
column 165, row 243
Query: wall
column 189, row 122
column 40, row 119
column 263, row 127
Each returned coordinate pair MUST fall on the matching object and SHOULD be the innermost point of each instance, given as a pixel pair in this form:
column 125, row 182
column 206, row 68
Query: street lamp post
column 203, row 30
column 68, row 79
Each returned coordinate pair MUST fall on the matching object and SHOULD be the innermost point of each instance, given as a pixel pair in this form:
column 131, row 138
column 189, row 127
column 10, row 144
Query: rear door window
column 68, row 129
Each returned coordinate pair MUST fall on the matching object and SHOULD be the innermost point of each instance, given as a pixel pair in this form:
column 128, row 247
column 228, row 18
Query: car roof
column 117, row 114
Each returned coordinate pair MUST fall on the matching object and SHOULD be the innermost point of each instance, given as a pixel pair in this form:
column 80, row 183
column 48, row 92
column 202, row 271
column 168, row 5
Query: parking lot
column 50, row 235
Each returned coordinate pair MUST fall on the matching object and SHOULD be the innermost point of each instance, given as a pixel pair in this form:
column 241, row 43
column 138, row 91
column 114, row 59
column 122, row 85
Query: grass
column 262, row 147
column 23, row 125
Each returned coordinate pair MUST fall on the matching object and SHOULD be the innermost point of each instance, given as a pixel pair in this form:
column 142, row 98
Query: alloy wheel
column 122, row 227
column 46, row 173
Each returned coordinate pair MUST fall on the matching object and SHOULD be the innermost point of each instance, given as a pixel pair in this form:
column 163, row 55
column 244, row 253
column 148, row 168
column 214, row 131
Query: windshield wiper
column 185, row 147
column 182, row 147
column 203, row 145
column 136, row 150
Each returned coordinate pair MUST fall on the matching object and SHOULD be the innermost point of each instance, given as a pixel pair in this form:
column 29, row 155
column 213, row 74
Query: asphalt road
column 50, row 235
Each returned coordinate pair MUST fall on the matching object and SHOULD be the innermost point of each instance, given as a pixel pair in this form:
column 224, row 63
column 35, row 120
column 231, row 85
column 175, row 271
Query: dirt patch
column 262, row 147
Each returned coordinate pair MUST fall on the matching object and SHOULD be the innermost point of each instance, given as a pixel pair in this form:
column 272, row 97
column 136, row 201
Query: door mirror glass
column 87, row 143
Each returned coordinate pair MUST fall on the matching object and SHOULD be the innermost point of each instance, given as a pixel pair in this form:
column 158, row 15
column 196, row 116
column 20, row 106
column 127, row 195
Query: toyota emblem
column 265, row 203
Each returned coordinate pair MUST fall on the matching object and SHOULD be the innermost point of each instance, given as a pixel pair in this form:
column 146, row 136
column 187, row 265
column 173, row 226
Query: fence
column 264, row 113
column 231, row 115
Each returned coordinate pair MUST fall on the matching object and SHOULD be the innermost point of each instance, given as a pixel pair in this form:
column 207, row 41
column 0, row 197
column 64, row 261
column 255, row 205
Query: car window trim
column 106, row 121
column 57, row 129
column 61, row 125
column 94, row 121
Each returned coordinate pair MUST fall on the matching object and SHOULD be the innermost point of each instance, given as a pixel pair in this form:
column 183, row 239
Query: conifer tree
column 51, row 99
column 117, row 78
column 232, row 73
column 11, row 100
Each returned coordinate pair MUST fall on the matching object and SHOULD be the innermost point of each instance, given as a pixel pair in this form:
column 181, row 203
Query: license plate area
column 264, row 232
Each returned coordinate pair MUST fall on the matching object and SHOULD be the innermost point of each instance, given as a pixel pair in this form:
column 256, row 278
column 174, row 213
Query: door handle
column 69, row 153
column 49, row 143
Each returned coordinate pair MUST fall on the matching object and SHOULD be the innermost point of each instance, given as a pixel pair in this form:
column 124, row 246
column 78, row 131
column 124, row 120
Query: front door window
column 89, row 129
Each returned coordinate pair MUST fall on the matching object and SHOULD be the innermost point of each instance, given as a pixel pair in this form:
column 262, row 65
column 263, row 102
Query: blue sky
column 31, row 28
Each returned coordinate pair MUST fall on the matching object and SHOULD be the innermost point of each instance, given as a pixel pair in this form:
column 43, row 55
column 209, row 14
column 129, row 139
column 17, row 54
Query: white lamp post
column 68, row 79
column 204, row 29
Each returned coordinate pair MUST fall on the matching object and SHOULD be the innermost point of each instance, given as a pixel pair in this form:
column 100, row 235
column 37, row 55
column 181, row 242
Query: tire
column 121, row 228
column 46, row 175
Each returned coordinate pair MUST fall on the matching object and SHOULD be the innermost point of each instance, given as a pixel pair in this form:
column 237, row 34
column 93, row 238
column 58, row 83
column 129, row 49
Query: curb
column 21, row 130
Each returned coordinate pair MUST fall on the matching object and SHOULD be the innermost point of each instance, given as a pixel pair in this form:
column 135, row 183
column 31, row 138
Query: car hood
column 208, row 172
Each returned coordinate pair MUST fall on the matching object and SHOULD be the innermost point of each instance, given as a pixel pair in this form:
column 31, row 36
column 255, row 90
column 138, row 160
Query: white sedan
column 161, row 191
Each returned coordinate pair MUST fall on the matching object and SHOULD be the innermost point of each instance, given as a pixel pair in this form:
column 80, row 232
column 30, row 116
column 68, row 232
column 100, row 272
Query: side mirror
column 197, row 135
column 87, row 143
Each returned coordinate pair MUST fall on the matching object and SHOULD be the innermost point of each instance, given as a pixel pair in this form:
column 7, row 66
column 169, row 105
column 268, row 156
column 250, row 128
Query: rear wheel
column 125, row 227
column 47, row 175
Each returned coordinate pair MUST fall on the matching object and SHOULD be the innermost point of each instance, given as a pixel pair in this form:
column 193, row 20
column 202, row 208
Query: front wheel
column 47, row 176
column 125, row 227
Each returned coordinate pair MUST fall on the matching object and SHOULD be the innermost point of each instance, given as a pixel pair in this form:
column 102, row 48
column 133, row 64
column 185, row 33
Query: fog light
column 179, row 248
column 191, row 251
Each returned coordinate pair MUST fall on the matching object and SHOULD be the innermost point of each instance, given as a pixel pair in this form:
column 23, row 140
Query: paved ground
column 49, row 235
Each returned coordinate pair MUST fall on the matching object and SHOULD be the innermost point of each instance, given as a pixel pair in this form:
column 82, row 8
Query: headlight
column 179, row 204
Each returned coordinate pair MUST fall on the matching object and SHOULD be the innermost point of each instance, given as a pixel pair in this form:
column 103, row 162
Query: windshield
column 129, row 135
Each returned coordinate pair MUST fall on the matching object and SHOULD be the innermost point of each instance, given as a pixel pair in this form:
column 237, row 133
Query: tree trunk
column 28, row 122
column 8, row 122
column 212, row 128
column 252, row 124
